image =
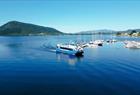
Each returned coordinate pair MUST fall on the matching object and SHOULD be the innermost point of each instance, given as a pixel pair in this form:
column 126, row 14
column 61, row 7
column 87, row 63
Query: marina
column 29, row 64
column 78, row 49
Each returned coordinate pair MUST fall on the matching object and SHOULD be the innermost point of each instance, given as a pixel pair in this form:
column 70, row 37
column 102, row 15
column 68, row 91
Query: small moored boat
column 98, row 42
column 69, row 49
column 111, row 41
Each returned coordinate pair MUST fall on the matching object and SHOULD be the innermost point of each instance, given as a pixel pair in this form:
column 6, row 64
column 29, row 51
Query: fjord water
column 30, row 66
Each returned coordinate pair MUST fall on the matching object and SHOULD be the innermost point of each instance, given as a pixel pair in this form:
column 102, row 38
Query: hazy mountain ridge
column 101, row 31
column 107, row 31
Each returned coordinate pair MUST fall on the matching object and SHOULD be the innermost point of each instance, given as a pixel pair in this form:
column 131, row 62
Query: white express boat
column 70, row 49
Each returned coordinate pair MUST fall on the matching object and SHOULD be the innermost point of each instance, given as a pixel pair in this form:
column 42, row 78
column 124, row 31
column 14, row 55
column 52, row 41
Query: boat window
column 66, row 48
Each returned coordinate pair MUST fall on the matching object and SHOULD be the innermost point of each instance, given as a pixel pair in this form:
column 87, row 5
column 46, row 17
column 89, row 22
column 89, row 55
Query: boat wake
column 49, row 47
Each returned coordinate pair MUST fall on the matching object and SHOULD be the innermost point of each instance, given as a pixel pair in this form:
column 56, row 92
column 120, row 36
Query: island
column 16, row 28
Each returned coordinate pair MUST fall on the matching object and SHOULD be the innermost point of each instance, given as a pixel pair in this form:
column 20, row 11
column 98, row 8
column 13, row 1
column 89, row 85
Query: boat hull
column 100, row 44
column 77, row 53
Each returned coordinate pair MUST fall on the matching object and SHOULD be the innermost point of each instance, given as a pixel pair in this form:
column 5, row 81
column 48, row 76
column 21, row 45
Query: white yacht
column 91, row 44
column 132, row 44
column 70, row 49
column 95, row 44
column 99, row 42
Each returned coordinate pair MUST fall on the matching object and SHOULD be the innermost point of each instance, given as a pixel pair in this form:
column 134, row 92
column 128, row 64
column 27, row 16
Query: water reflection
column 70, row 59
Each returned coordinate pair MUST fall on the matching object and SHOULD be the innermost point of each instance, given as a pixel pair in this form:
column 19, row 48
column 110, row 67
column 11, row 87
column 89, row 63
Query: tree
column 118, row 33
column 133, row 31
column 139, row 34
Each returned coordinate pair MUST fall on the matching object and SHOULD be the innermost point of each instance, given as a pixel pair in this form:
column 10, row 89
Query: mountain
column 15, row 28
column 107, row 31
column 102, row 31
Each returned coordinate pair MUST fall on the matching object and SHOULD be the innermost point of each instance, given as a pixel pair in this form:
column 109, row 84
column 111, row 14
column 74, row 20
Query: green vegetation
column 139, row 34
column 15, row 28
column 134, row 33
column 118, row 33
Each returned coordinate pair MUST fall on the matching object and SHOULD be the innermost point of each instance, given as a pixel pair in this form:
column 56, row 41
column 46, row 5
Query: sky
column 73, row 15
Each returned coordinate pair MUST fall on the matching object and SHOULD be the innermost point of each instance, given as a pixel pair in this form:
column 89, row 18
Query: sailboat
column 112, row 40
column 95, row 43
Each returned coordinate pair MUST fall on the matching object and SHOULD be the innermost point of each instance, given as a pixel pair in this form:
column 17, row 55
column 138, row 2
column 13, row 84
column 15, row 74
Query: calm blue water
column 30, row 66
